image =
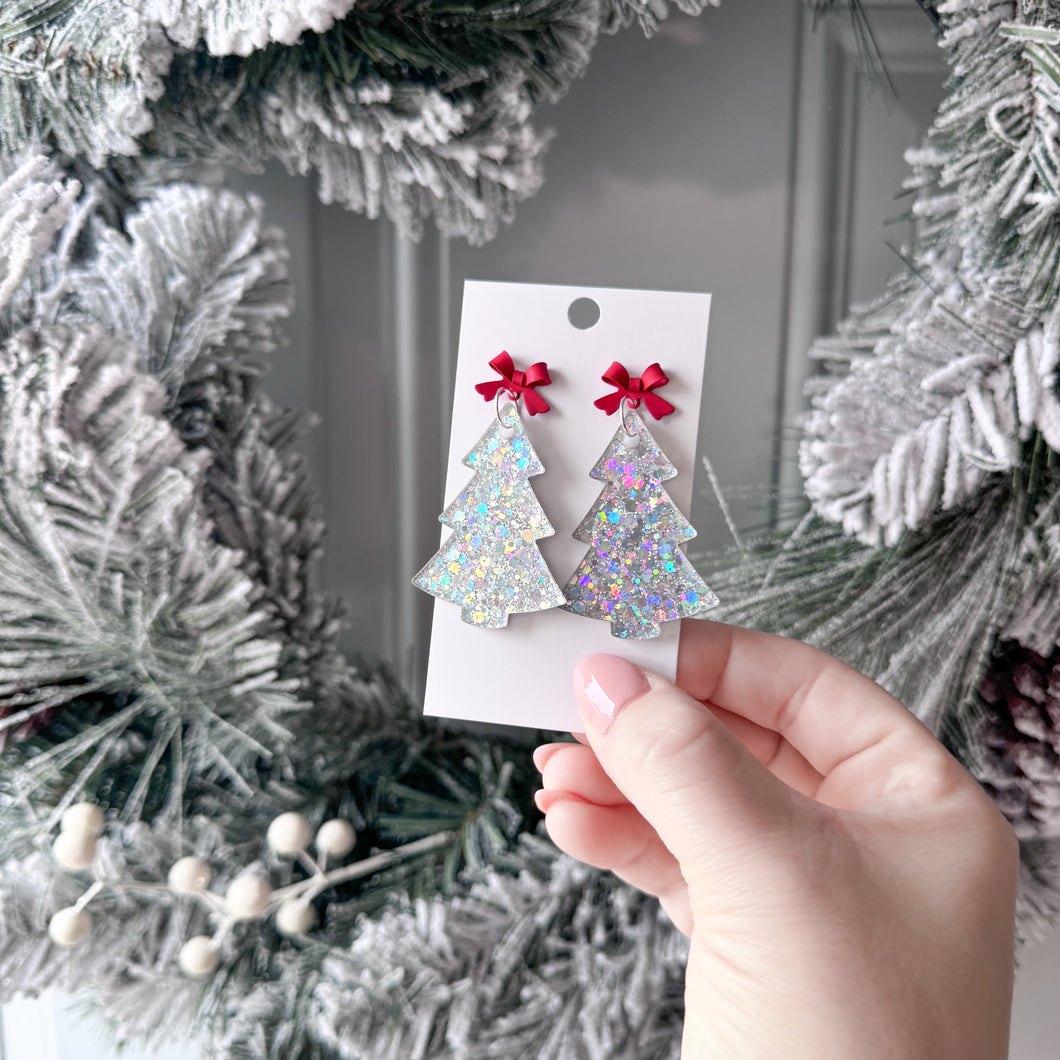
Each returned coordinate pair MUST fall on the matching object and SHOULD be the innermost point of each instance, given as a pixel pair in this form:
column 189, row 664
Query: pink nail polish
column 604, row 684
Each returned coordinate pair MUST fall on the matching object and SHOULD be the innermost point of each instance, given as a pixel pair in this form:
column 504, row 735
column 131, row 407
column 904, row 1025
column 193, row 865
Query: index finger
column 828, row 711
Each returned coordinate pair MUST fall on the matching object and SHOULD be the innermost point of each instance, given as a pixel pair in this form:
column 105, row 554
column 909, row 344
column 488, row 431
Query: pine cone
column 1017, row 739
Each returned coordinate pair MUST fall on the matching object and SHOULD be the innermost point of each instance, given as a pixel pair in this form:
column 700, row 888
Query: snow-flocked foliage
column 416, row 110
column 166, row 654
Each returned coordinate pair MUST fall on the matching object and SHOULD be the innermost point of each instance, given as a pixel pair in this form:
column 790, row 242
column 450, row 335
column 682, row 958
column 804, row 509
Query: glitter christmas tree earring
column 491, row 565
column 634, row 575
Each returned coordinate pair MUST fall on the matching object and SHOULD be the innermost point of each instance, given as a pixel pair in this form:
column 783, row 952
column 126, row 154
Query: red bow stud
column 635, row 390
column 517, row 383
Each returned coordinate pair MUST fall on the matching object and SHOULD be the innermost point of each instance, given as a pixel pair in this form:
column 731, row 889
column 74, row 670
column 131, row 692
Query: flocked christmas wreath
column 212, row 819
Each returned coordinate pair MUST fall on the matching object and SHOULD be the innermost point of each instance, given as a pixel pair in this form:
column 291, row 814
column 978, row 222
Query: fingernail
column 543, row 753
column 546, row 799
column 604, row 684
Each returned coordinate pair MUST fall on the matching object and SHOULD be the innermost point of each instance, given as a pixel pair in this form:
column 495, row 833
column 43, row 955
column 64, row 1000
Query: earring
column 634, row 575
column 491, row 565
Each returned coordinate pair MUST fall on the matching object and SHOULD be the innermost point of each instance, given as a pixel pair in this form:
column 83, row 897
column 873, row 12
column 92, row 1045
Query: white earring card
column 521, row 674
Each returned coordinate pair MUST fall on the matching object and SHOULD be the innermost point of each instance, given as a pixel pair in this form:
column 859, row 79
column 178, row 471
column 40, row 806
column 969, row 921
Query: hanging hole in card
column 583, row 313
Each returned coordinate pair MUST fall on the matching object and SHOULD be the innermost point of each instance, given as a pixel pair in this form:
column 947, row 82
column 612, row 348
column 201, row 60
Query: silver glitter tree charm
column 634, row 575
column 490, row 565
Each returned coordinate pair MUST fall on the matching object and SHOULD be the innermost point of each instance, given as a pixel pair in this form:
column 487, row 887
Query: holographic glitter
column 490, row 565
column 634, row 575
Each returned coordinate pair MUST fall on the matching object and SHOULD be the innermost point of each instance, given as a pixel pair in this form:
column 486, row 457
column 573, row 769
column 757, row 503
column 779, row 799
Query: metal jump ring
column 627, row 410
column 497, row 408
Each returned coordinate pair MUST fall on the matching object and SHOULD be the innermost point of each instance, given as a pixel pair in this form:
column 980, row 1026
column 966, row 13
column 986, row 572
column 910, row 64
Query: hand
column 848, row 889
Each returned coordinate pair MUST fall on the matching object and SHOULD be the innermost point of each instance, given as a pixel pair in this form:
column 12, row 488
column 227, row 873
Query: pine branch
column 195, row 279
column 109, row 579
column 419, row 109
column 1038, row 904
column 473, row 991
column 34, row 204
column 199, row 282
column 449, row 138
column 649, row 14
column 228, row 27
column 870, row 58
column 932, row 406
column 434, row 43
column 919, row 618
column 386, row 781
column 986, row 175
column 23, row 17
column 79, row 76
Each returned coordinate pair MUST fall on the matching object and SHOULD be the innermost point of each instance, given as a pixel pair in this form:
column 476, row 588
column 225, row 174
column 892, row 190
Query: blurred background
column 743, row 153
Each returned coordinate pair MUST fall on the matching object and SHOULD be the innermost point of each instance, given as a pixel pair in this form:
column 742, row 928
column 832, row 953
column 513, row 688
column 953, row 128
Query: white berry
column 247, row 896
column 189, row 876
column 336, row 838
column 295, row 917
column 198, row 956
column 69, row 926
column 74, row 850
column 289, row 833
column 83, row 818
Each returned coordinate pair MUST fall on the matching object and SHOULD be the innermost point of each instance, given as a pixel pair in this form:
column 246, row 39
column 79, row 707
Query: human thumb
column 703, row 792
